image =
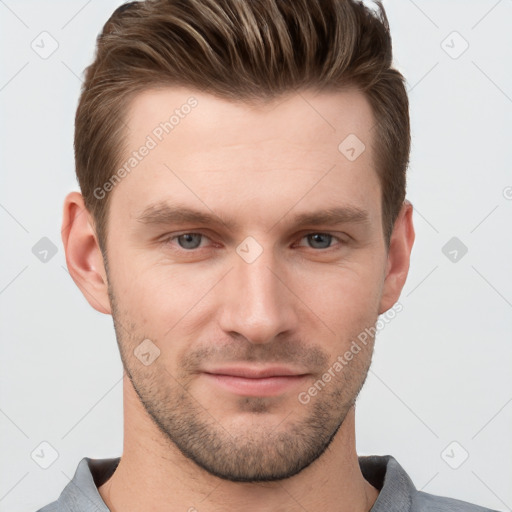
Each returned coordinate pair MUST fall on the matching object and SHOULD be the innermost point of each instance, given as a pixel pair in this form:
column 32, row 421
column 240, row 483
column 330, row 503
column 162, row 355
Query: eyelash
column 167, row 240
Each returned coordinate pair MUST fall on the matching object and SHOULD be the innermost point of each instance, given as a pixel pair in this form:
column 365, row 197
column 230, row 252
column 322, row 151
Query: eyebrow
column 165, row 214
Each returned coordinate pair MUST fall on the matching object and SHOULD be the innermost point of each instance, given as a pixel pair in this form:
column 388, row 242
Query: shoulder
column 424, row 502
column 51, row 507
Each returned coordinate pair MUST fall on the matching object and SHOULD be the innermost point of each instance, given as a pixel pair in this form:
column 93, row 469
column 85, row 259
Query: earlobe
column 83, row 254
column 399, row 255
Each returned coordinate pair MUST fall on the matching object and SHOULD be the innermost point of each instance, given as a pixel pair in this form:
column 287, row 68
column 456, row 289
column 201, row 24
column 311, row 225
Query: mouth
column 255, row 381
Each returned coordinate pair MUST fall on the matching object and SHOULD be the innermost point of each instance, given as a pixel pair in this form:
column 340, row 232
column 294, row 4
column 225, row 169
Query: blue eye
column 189, row 240
column 319, row 240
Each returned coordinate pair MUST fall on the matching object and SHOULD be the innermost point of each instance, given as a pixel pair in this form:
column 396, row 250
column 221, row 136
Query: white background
column 442, row 368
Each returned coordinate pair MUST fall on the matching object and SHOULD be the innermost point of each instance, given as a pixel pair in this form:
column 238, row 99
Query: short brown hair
column 240, row 50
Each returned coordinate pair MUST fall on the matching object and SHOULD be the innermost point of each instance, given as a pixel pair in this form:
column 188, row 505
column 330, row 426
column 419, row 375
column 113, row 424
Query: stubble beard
column 260, row 452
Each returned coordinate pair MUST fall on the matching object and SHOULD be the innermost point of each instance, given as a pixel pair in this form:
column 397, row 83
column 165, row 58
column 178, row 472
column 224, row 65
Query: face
column 247, row 250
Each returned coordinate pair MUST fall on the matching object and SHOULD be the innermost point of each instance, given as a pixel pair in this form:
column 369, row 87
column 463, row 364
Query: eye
column 191, row 241
column 320, row 240
column 188, row 241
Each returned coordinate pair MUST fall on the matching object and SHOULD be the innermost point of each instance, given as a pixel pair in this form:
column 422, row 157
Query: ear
column 399, row 255
column 83, row 253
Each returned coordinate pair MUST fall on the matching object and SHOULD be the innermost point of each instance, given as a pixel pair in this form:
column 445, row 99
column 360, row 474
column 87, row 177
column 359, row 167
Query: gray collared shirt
column 397, row 492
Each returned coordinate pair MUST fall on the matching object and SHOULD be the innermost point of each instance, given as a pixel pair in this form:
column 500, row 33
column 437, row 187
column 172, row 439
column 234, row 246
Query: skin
column 188, row 442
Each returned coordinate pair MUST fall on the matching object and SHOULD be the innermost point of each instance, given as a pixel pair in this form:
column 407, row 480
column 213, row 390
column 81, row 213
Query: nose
column 257, row 300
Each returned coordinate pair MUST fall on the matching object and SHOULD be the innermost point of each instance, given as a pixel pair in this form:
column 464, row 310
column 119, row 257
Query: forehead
column 308, row 147
column 306, row 118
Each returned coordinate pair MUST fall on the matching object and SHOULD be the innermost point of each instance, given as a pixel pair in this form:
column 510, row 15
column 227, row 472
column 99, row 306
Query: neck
column 154, row 475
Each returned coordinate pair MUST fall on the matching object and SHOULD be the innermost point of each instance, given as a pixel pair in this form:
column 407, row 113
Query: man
column 243, row 219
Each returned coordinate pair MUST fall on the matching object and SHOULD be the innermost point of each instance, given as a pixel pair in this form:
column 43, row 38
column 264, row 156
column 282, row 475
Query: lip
column 253, row 381
column 255, row 372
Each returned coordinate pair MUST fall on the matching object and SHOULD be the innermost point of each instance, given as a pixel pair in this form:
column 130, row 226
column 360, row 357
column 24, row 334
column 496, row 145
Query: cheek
column 163, row 299
column 343, row 296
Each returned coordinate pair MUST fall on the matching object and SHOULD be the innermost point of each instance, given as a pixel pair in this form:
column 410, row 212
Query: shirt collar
column 81, row 493
column 396, row 489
